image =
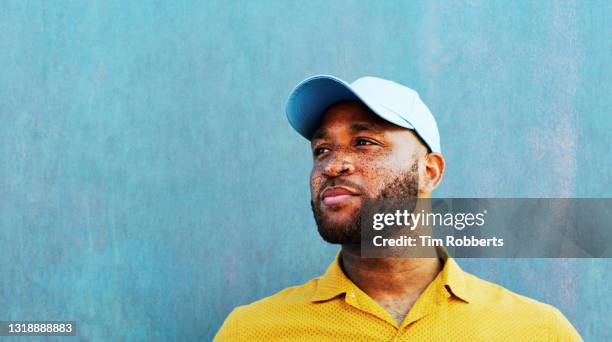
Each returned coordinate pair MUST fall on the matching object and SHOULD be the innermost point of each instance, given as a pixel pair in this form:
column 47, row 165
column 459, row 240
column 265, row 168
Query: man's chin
column 339, row 226
column 346, row 231
column 338, row 218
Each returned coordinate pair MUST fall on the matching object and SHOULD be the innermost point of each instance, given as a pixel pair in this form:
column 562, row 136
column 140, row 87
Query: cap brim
column 310, row 99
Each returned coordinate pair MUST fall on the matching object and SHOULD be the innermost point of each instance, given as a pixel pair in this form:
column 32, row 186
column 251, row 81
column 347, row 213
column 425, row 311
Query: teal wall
column 149, row 181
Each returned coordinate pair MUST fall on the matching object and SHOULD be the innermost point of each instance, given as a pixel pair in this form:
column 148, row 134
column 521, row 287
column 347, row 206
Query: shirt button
column 352, row 295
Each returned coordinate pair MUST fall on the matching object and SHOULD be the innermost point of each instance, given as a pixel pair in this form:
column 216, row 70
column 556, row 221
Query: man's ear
column 434, row 168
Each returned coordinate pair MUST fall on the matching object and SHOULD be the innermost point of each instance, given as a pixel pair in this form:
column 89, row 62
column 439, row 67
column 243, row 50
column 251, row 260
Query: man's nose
column 340, row 167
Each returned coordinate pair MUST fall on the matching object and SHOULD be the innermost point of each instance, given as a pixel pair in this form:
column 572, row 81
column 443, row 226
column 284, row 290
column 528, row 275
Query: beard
column 404, row 186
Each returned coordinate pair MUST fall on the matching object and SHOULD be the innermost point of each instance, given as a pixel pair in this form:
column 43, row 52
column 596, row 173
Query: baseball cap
column 391, row 101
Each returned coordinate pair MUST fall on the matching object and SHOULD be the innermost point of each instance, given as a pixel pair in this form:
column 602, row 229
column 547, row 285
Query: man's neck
column 394, row 283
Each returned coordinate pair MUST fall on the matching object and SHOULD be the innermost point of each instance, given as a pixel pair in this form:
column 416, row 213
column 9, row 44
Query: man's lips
column 337, row 195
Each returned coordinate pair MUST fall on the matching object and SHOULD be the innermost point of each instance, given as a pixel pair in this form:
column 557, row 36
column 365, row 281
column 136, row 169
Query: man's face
column 356, row 154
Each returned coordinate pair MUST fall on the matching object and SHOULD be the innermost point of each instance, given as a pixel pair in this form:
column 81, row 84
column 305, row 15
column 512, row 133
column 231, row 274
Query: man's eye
column 363, row 142
column 319, row 150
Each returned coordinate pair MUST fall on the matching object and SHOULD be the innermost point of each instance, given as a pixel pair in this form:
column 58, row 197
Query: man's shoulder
column 256, row 316
column 494, row 295
column 293, row 295
column 502, row 303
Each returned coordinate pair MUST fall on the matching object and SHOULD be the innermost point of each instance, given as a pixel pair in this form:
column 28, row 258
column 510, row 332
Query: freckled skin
column 380, row 160
column 355, row 148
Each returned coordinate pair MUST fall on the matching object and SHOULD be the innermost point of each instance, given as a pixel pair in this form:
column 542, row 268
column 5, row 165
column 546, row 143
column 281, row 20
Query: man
column 374, row 138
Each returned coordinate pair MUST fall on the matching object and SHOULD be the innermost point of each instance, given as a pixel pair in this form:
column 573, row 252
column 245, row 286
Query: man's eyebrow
column 358, row 127
column 321, row 134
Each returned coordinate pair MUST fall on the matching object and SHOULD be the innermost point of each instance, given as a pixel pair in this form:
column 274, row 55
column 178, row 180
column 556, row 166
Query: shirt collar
column 334, row 282
column 453, row 277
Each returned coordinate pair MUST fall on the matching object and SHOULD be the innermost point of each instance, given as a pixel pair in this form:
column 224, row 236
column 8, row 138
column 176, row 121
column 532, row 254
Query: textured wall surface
column 149, row 181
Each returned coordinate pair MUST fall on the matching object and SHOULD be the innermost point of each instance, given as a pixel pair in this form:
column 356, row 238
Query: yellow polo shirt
column 456, row 306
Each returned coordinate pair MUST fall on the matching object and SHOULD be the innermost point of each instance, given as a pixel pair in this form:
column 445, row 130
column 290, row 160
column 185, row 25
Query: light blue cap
column 391, row 101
